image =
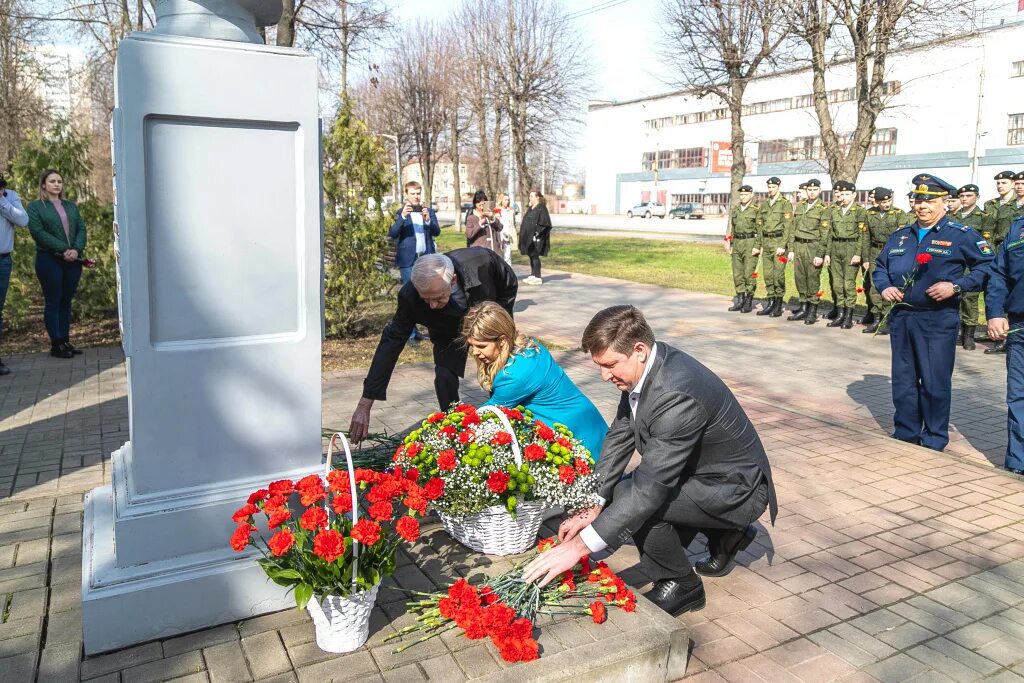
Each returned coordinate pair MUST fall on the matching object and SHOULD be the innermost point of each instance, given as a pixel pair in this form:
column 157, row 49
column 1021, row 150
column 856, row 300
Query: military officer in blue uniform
column 922, row 271
column 1004, row 308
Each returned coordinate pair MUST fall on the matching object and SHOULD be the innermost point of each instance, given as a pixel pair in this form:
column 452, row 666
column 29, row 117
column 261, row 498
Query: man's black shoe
column 778, row 308
column 675, row 598
column 4, row 370
column 805, row 308
column 68, row 347
column 57, row 350
column 723, row 550
column 1014, row 470
column 868, row 318
column 1000, row 347
column 834, row 313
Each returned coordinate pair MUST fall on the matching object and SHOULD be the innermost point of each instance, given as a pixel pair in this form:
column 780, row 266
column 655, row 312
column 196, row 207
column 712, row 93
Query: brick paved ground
column 889, row 562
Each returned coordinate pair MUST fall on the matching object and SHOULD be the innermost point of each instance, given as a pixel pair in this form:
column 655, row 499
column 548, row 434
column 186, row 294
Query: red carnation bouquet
column 313, row 544
column 506, row 608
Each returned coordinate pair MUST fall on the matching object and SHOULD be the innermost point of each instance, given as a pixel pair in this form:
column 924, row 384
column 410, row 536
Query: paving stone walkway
column 889, row 562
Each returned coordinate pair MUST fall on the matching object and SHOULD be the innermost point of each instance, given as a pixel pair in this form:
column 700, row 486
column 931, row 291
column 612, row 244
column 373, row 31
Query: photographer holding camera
column 414, row 229
column 11, row 214
column 483, row 228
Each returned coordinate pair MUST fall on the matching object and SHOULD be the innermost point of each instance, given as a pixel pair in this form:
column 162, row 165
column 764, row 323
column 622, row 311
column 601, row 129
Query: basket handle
column 508, row 425
column 355, row 500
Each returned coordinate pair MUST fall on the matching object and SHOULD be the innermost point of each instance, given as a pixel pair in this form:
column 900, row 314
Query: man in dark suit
column 413, row 231
column 442, row 288
column 703, row 468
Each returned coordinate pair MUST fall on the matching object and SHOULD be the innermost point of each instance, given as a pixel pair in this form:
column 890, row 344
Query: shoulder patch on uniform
column 984, row 247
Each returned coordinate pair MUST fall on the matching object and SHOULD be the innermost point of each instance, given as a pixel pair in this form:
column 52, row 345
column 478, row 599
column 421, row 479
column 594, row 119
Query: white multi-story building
column 443, row 189
column 63, row 84
column 955, row 108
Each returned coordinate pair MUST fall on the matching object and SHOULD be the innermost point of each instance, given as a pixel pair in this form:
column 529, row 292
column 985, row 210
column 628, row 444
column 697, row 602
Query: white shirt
column 418, row 229
column 590, row 538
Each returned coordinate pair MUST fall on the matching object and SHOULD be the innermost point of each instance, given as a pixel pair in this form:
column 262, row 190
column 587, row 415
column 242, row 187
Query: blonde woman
column 517, row 370
column 505, row 212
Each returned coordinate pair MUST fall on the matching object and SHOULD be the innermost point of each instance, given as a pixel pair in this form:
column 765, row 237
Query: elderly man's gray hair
column 431, row 267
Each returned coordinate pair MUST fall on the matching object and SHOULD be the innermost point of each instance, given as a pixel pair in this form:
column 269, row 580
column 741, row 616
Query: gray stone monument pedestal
column 216, row 158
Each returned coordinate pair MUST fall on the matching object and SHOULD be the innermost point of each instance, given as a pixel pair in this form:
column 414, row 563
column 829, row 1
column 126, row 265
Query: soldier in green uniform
column 774, row 222
column 743, row 242
column 1018, row 189
column 846, row 246
column 1001, row 209
column 973, row 216
column 883, row 220
column 807, row 244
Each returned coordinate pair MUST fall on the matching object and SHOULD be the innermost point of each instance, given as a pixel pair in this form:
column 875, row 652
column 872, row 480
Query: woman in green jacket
column 59, row 233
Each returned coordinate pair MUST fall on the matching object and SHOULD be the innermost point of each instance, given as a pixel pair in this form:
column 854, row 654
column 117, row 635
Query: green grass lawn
column 695, row 266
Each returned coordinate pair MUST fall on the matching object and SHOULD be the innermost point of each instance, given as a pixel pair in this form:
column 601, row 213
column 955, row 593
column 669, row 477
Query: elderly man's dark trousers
column 923, row 351
column 663, row 539
column 449, row 365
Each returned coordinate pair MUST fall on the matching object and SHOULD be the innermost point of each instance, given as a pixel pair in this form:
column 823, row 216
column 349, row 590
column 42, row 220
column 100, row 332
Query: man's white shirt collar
column 634, row 396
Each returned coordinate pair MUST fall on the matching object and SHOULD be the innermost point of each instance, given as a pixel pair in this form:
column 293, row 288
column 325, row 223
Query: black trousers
column 535, row 265
column 449, row 365
column 662, row 540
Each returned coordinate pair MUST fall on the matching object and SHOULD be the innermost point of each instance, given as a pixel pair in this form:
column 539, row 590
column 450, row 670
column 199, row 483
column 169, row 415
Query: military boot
column 768, row 306
column 812, row 314
column 969, row 337
column 805, row 308
column 777, row 311
column 868, row 319
column 847, row 323
column 1000, row 347
column 834, row 313
column 873, row 327
column 837, row 321
column 748, row 303
column 738, row 303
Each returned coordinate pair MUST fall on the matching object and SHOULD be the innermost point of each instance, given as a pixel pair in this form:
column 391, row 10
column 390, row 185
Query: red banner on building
column 721, row 155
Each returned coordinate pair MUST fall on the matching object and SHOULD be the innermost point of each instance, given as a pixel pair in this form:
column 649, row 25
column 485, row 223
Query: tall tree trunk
column 344, row 46
column 456, row 178
column 140, row 14
column 737, row 137
column 286, row 24
column 485, row 149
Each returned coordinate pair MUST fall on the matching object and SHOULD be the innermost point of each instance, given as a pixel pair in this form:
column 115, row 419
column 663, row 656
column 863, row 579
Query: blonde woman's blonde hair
column 502, row 198
column 489, row 322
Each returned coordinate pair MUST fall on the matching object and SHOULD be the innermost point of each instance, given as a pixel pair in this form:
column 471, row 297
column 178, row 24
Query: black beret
column 746, row 188
column 927, row 186
column 774, row 181
column 841, row 185
column 1019, row 176
column 968, row 188
column 802, row 186
column 813, row 182
column 1005, row 175
column 882, row 193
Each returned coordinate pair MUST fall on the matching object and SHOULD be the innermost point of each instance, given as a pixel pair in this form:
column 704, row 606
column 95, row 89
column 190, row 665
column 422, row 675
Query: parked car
column 687, row 210
column 647, row 209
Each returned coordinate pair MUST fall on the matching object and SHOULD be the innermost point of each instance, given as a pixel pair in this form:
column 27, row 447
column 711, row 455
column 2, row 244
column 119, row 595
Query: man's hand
column 360, row 425
column 818, row 262
column 406, row 210
column 568, row 529
column 728, row 247
column 998, row 328
column 855, row 261
column 780, row 251
column 828, row 260
column 940, row 291
column 866, row 266
column 892, row 294
column 755, row 252
column 790, row 256
column 552, row 562
column 426, row 215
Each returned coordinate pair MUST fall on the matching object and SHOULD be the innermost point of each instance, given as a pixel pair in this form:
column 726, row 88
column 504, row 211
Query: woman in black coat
column 535, row 235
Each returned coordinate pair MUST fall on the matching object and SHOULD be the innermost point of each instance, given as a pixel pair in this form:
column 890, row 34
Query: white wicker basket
column 493, row 531
column 343, row 622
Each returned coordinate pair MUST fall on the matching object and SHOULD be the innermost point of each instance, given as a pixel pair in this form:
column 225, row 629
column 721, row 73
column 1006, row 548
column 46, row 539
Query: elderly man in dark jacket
column 703, row 468
column 442, row 289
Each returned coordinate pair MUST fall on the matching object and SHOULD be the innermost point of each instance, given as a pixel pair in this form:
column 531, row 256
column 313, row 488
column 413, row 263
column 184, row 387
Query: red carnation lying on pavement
column 329, row 545
column 597, row 612
column 281, row 542
column 923, row 259
column 408, row 528
column 498, row 481
column 366, row 532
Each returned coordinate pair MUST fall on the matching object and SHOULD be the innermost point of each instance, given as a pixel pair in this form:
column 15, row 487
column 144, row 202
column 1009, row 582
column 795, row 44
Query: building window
column 692, row 157
column 1015, row 132
column 773, row 151
column 890, row 88
column 1017, row 69
column 648, row 163
column 802, row 101
column 664, row 158
column 883, row 143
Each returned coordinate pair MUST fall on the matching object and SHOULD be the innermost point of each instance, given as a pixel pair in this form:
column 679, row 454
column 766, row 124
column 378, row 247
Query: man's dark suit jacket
column 694, row 439
column 483, row 276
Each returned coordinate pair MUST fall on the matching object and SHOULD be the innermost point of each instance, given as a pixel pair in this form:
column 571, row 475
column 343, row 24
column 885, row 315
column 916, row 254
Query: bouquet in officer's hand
column 908, row 280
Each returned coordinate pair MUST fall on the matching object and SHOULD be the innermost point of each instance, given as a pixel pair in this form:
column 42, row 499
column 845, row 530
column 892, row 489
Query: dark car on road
column 687, row 210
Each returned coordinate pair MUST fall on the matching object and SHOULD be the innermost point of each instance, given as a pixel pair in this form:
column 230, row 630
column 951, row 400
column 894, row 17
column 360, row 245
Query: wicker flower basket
column 493, row 531
column 343, row 622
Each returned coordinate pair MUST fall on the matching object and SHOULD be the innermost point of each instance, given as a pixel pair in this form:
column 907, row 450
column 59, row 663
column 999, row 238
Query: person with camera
column 11, row 215
column 59, row 232
column 414, row 230
column 483, row 228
